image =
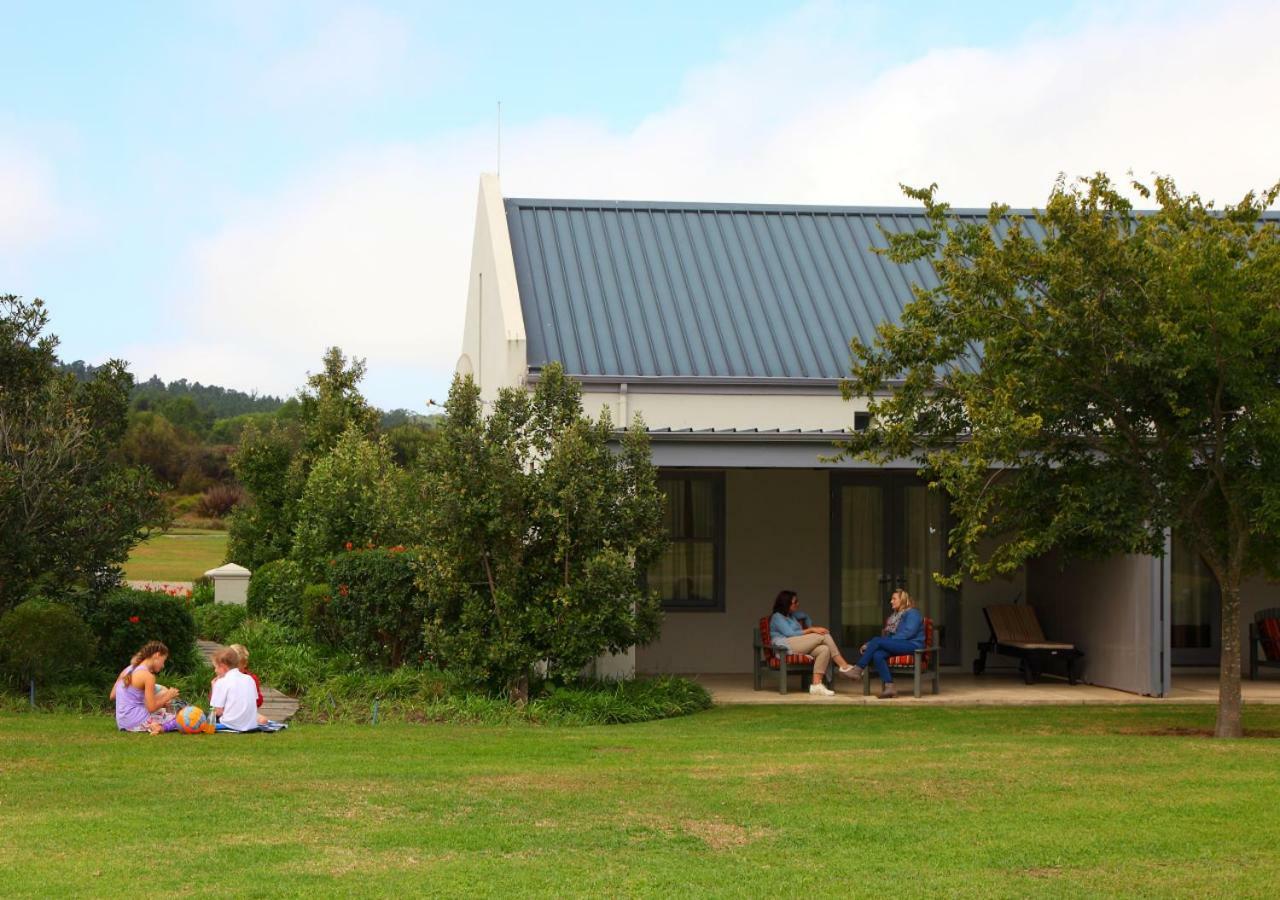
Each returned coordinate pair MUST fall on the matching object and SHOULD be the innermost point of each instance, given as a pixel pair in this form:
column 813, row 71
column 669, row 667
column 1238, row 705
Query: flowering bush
column 317, row 617
column 126, row 619
column 375, row 610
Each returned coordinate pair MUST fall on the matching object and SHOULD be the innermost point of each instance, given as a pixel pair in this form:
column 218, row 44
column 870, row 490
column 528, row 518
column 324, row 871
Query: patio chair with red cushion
column 923, row 663
column 767, row 658
column 1264, row 635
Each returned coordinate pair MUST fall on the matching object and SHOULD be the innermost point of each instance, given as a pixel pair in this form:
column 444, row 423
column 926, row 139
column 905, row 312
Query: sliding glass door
column 1194, row 612
column 888, row 531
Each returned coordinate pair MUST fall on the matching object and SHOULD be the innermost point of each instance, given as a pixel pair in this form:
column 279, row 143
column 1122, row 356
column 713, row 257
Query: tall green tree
column 68, row 507
column 1091, row 390
column 273, row 463
column 535, row 535
column 354, row 495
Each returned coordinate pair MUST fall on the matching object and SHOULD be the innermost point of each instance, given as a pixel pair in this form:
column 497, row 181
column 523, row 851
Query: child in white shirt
column 235, row 696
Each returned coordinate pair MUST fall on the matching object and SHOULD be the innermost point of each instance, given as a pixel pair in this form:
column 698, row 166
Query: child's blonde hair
column 243, row 653
column 227, row 657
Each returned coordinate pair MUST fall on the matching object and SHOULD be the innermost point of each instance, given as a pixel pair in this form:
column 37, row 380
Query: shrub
column 376, row 609
column 217, row 620
column 424, row 695
column 126, row 619
column 43, row 641
column 275, row 592
column 537, row 523
column 218, row 501
column 618, row 702
column 317, row 618
column 283, row 658
column 202, row 591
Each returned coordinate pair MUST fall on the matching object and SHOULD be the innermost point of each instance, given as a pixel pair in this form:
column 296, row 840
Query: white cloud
column 371, row 251
column 30, row 213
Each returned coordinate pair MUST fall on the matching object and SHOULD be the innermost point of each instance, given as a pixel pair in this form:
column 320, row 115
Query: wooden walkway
column 275, row 706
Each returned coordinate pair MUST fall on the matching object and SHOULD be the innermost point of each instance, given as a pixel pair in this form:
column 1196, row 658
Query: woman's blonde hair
column 907, row 602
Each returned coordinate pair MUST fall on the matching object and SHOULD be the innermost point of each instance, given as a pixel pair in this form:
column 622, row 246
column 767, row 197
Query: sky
column 220, row 191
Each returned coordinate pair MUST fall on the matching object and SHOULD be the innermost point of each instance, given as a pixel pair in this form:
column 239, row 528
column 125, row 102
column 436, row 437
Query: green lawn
column 178, row 555
column 738, row 802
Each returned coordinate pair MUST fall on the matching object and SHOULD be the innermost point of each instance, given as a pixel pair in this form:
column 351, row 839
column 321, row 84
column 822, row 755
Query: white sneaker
column 821, row 690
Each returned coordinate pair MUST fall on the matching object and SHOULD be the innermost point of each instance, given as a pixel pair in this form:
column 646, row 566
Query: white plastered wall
column 776, row 536
column 494, row 347
column 808, row 411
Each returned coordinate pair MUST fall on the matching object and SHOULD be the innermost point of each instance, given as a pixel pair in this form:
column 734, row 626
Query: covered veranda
column 994, row 688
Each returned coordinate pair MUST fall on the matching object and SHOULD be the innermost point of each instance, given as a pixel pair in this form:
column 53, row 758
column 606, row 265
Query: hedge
column 126, row 619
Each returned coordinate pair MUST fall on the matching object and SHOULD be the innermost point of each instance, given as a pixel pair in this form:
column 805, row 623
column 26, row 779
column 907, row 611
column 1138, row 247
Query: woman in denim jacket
column 903, row 634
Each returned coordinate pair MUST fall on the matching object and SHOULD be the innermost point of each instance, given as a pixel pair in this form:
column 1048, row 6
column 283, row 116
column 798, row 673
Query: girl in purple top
column 141, row 704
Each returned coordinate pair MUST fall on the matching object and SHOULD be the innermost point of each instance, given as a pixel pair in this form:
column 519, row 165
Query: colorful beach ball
column 191, row 720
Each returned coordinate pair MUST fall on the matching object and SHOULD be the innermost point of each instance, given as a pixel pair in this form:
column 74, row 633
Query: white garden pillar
column 230, row 584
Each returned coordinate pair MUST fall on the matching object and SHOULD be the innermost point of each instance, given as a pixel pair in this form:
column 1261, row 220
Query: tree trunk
column 520, row 690
column 1228, row 725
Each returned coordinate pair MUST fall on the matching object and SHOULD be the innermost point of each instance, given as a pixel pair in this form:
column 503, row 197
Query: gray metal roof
column 614, row 288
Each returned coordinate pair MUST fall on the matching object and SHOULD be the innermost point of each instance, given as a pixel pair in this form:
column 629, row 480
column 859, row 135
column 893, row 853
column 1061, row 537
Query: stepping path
column 276, row 706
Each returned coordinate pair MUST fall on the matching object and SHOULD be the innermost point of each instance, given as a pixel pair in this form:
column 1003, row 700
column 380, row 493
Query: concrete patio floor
column 995, row 688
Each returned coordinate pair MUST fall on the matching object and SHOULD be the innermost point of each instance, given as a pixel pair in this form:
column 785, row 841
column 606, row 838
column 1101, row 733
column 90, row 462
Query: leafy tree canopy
column 1090, row 390
column 535, row 535
column 274, row 462
column 68, row 507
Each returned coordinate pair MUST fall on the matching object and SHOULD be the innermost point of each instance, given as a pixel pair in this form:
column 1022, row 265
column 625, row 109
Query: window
column 689, row 575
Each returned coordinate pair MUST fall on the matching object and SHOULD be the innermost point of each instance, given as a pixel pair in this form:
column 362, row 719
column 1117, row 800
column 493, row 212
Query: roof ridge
column 529, row 203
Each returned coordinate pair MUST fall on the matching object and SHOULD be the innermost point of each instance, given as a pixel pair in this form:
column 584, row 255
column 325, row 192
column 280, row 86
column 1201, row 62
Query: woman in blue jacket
column 903, row 633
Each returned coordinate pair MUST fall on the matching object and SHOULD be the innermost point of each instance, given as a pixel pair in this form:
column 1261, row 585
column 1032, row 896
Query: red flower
column 349, row 545
column 134, row 619
column 342, row 589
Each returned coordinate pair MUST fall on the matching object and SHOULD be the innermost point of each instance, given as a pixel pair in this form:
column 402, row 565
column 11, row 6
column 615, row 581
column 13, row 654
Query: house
column 726, row 328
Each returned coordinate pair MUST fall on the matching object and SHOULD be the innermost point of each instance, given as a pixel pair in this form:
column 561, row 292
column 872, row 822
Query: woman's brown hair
column 782, row 602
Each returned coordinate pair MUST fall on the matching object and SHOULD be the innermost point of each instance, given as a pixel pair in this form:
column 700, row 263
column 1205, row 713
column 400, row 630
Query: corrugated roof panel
column 710, row 290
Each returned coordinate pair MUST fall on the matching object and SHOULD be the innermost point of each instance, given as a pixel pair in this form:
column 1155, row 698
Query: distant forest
column 198, row 406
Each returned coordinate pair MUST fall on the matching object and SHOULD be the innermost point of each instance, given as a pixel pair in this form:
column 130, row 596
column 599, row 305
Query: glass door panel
column 923, row 537
column 862, row 568
column 1194, row 622
column 888, row 531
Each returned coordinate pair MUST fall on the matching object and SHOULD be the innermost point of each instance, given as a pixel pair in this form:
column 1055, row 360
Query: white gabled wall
column 494, row 348
column 724, row 410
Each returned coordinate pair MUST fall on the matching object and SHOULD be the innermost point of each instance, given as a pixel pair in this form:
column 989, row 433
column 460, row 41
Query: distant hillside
column 212, row 401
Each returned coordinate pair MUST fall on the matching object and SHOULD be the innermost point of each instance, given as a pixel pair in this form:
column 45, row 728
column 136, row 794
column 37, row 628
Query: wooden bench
column 769, row 659
column 1264, row 635
column 922, row 663
column 1016, row 632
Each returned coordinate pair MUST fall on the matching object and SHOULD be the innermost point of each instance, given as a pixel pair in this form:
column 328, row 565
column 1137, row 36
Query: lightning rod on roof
column 499, row 173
